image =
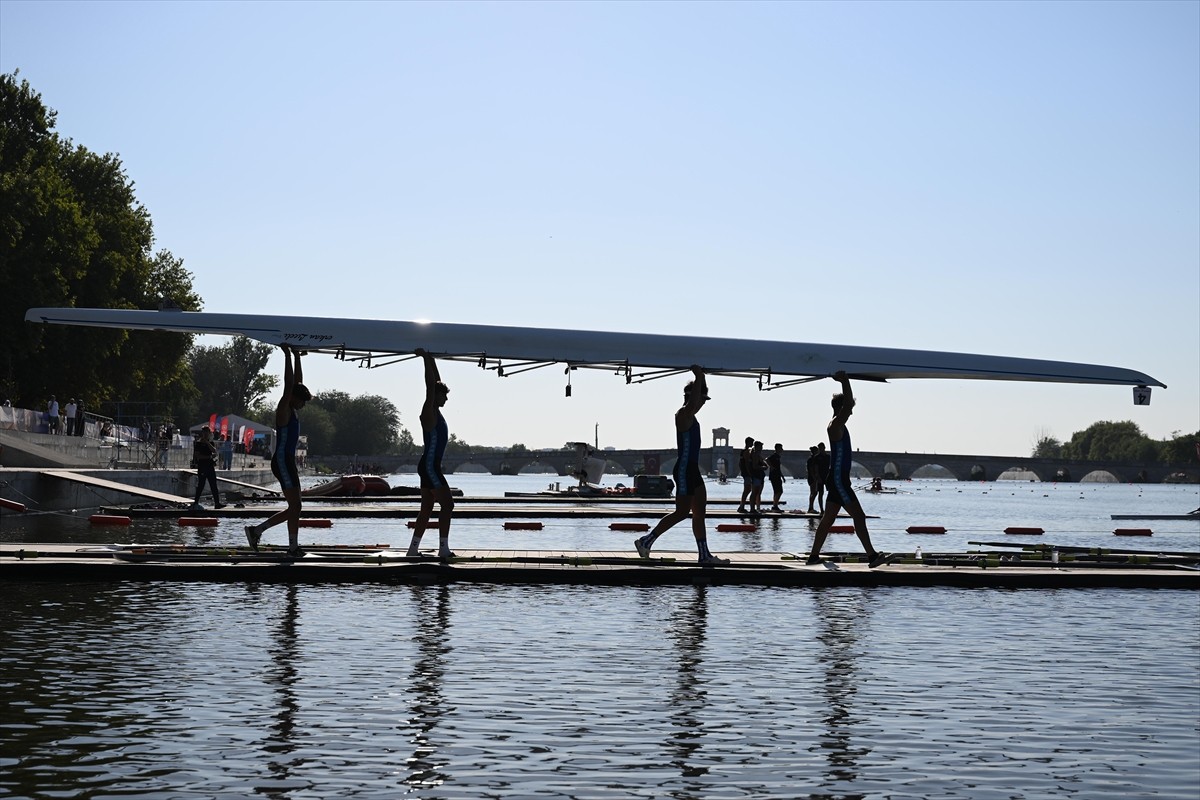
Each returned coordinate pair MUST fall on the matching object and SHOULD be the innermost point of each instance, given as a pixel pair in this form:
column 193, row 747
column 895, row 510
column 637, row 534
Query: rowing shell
column 371, row 341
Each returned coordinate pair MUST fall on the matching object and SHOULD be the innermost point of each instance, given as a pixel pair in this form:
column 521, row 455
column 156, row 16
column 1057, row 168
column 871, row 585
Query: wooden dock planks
column 342, row 564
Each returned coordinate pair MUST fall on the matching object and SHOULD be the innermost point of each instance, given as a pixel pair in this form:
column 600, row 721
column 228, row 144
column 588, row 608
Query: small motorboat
column 350, row 486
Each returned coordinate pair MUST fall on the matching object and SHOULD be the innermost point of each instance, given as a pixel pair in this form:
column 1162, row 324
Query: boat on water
column 350, row 486
column 589, row 471
column 1190, row 515
column 644, row 486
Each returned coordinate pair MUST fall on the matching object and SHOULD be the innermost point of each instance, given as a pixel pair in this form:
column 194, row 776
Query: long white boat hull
column 369, row 339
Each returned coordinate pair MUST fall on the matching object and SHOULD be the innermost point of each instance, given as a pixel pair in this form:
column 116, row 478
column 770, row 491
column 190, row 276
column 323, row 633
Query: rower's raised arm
column 432, row 376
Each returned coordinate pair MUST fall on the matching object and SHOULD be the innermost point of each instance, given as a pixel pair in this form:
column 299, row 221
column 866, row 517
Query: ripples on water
column 195, row 690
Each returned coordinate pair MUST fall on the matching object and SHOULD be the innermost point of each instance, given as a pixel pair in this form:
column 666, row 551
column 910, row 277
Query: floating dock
column 481, row 509
column 1036, row 566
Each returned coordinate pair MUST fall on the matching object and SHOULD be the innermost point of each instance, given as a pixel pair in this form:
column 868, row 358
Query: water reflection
column 689, row 624
column 428, row 674
column 283, row 676
column 842, row 618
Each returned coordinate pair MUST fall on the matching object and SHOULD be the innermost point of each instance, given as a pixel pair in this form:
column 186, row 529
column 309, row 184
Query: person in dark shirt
column 204, row 453
column 775, row 476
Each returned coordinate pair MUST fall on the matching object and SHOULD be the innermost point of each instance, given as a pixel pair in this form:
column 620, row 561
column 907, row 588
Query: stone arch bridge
column 877, row 464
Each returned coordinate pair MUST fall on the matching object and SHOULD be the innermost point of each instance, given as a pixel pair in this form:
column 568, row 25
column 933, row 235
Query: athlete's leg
column 422, row 521
column 827, row 519
column 855, row 510
column 446, row 509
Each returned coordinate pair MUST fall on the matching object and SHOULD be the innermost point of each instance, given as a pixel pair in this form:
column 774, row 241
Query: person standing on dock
column 691, row 498
column 434, row 488
column 226, row 452
column 841, row 494
column 744, row 472
column 283, row 463
column 814, row 486
column 822, row 474
column 204, row 453
column 758, row 476
column 775, row 475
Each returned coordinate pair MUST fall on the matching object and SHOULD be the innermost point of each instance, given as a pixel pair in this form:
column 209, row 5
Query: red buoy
column 1024, row 531
column 199, row 522
column 109, row 519
column 841, row 529
column 522, row 526
column 926, row 529
column 736, row 527
column 628, row 526
column 1133, row 532
column 313, row 522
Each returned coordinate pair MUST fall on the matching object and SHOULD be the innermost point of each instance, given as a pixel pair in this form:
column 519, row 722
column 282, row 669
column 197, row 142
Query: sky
column 1018, row 179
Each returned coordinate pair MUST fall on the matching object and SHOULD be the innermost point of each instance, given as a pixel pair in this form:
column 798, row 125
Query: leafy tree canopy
column 1181, row 448
column 230, row 379
column 1119, row 441
column 364, row 425
column 73, row 234
column 1102, row 441
column 1047, row 447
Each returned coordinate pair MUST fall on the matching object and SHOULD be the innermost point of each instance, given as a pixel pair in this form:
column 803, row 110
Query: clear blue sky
column 1006, row 178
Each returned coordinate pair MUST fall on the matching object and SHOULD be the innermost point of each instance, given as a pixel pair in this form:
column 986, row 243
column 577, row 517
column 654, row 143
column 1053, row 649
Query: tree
column 230, row 379
column 366, row 425
column 1181, row 449
column 457, row 446
column 73, row 234
column 1047, row 447
column 317, row 424
column 1111, row 441
column 363, row 425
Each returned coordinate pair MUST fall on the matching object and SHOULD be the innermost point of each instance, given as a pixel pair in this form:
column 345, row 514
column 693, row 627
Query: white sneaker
column 643, row 548
column 712, row 561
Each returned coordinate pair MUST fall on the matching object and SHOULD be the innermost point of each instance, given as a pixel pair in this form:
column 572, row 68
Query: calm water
column 195, row 690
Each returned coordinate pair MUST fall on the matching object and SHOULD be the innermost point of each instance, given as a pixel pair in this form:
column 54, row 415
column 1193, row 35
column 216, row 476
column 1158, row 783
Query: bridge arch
column 614, row 467
column 468, row 467
column 1100, row 476
column 1020, row 472
column 536, row 466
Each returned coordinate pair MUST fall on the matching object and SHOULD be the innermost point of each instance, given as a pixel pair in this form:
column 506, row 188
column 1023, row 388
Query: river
column 469, row 691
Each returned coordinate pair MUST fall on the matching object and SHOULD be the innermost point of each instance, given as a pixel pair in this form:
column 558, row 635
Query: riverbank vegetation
column 1120, row 441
